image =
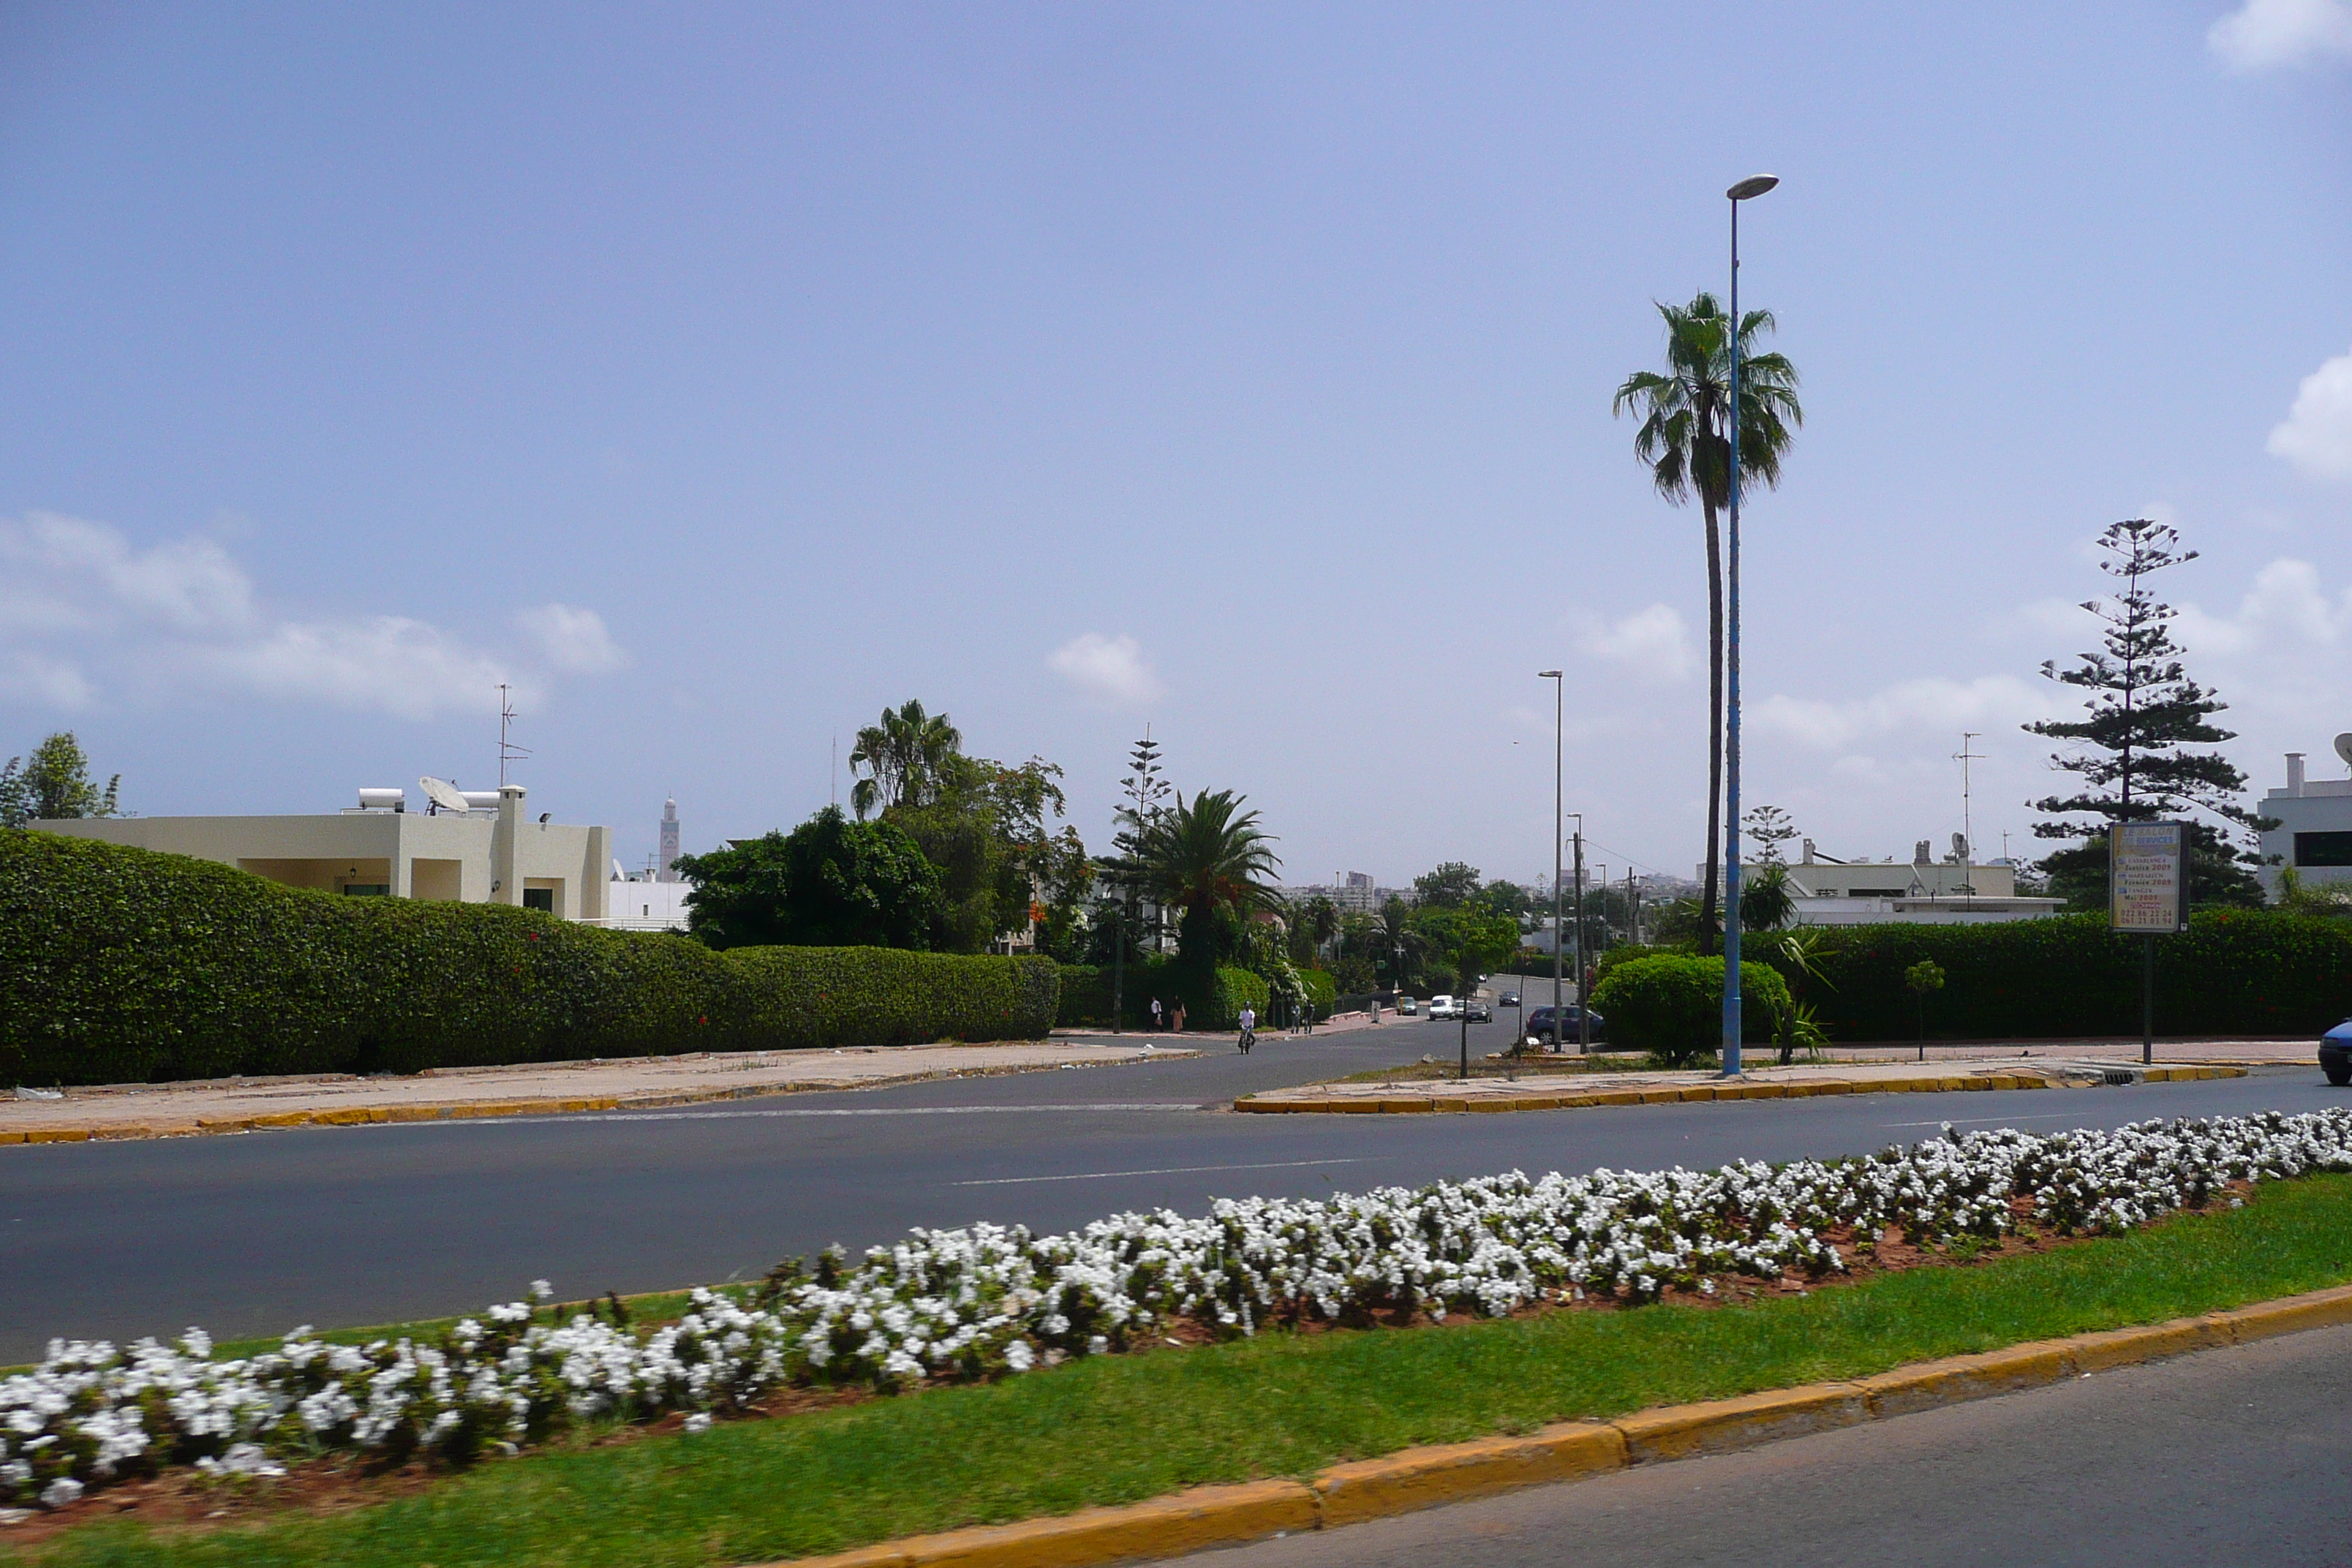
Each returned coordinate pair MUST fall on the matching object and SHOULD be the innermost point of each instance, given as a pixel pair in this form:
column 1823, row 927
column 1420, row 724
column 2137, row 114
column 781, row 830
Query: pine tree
column 54, row 784
column 2133, row 753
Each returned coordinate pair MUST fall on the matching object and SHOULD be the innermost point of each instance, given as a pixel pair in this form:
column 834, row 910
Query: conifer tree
column 2135, row 755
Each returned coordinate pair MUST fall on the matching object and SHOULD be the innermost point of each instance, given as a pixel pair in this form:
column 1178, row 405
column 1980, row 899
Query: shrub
column 1671, row 1004
column 127, row 965
column 1322, row 990
column 2234, row 972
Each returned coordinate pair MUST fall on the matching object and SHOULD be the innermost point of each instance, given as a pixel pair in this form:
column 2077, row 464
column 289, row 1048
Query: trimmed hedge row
column 121, row 966
column 1209, row 1002
column 1322, row 990
column 2233, row 972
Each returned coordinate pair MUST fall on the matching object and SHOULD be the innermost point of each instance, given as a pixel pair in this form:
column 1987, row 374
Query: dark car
column 1539, row 1027
column 1507, row 999
column 1478, row 1010
column 2336, row 1053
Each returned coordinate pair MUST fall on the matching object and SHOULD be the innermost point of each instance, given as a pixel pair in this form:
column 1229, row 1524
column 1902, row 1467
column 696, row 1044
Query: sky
column 716, row 376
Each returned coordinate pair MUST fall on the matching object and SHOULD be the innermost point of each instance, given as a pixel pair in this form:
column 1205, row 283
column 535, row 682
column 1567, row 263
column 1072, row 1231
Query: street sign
column 2147, row 877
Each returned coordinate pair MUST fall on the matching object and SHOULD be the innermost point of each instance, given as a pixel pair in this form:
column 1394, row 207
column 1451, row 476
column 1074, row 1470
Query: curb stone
column 1416, row 1478
column 1548, row 1098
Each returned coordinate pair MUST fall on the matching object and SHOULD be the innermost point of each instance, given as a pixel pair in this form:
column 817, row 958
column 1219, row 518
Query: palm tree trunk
column 1708, row 932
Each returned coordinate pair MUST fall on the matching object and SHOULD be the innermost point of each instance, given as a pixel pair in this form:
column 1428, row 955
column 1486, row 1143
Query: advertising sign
column 2147, row 877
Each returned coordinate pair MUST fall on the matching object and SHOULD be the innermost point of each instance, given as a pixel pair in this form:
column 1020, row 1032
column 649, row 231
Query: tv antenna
column 507, row 750
column 1968, row 843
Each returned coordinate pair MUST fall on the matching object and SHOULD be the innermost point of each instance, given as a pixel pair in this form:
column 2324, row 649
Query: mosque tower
column 669, row 862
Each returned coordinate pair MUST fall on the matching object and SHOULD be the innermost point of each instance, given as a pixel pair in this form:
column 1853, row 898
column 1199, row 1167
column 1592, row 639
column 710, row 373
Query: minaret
column 668, row 872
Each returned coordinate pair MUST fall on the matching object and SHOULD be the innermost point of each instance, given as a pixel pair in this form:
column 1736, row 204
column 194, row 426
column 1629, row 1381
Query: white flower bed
column 987, row 1299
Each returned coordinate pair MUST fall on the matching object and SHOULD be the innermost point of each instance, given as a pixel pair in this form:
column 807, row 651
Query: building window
column 368, row 890
column 541, row 898
column 2323, row 849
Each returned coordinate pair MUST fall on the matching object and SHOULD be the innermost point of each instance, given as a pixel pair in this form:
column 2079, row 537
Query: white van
column 1445, row 1007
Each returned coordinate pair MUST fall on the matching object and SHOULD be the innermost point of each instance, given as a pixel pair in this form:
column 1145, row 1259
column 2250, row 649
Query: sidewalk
column 1575, row 1091
column 245, row 1105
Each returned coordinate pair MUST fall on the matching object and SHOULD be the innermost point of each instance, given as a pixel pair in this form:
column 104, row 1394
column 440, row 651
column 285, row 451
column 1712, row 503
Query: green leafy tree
column 1399, row 949
column 1468, row 942
column 990, row 831
column 1685, row 438
column 1451, row 885
column 902, row 758
column 1765, row 901
column 53, row 784
column 831, row 882
column 1501, row 897
column 2137, row 754
column 1208, row 860
column 1767, row 827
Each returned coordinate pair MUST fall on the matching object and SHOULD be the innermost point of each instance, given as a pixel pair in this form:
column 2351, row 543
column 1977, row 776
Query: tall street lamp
column 1559, row 713
column 1746, row 190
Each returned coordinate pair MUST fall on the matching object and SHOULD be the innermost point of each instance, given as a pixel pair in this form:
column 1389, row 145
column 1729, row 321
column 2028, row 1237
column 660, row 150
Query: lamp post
column 1559, row 716
column 1583, row 1018
column 1746, row 190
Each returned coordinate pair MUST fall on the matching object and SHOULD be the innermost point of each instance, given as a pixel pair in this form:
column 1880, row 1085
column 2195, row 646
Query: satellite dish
column 443, row 793
column 2344, row 747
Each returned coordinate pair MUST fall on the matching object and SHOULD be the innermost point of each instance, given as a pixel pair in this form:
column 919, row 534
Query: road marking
column 662, row 1115
column 1983, row 1120
column 1162, row 1171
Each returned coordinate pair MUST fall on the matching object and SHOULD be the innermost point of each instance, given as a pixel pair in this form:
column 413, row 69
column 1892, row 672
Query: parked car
column 1507, row 999
column 1478, row 1010
column 2336, row 1053
column 1444, row 1008
column 1539, row 1025
column 1408, row 1008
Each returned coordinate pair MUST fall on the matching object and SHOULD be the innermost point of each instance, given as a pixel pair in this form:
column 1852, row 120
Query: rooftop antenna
column 832, row 778
column 1967, row 828
column 507, row 750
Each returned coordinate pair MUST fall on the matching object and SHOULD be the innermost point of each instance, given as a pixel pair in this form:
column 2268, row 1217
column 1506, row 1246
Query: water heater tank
column 384, row 800
column 480, row 799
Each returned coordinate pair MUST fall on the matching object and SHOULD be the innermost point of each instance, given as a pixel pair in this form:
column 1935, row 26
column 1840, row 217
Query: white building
column 493, row 855
column 644, row 903
column 1954, row 890
column 2315, row 825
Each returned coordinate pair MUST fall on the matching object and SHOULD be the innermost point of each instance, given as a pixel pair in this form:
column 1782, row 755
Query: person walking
column 1180, row 1016
column 1155, row 1014
column 1249, row 1028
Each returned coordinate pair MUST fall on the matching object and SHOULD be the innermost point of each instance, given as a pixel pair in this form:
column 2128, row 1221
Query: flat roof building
column 380, row 847
column 2314, row 825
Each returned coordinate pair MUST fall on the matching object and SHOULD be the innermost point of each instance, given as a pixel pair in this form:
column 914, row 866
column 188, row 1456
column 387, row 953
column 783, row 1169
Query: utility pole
column 1559, row 718
column 1583, row 1018
column 1967, row 828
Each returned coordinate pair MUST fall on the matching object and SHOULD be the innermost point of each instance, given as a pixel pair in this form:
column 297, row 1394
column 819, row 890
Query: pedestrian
column 1179, row 1015
column 1155, row 1014
column 1249, row 1028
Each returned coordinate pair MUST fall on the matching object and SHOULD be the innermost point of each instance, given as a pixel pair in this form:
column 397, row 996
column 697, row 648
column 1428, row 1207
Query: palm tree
column 902, row 758
column 1685, row 438
column 1201, row 857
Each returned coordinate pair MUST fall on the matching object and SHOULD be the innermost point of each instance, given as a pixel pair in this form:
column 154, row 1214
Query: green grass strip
column 1122, row 1429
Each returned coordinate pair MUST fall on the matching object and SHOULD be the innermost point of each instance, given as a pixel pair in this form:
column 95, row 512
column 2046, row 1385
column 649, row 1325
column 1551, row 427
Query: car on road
column 1507, row 999
column 1540, row 1026
column 1408, row 1008
column 2336, row 1053
column 1444, row 1008
column 1478, row 1010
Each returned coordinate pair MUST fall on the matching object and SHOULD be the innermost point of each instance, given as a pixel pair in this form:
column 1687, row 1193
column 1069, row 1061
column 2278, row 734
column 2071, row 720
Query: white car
column 1445, row 1007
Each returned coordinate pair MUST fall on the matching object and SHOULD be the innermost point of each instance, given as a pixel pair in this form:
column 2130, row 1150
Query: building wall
column 2305, row 837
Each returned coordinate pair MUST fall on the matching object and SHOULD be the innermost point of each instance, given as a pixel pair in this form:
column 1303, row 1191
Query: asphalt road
column 2232, row 1456
column 252, row 1234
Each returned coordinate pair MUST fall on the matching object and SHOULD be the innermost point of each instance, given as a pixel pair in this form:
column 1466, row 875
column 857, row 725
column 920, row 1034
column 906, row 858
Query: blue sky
column 718, row 375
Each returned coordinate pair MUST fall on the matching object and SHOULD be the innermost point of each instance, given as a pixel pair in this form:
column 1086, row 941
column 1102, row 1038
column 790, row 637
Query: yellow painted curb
column 1164, row 1526
column 1423, row 1477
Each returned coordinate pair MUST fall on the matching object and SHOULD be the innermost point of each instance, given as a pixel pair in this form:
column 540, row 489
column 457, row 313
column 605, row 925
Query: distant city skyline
column 715, row 378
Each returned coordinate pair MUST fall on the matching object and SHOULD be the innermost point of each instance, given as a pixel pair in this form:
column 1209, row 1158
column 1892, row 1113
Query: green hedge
column 123, row 965
column 1671, row 1004
column 1211, row 1002
column 2233, row 972
column 1322, row 990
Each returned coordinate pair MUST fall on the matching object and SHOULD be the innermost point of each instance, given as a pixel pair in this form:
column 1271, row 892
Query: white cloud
column 81, row 609
column 2263, row 34
column 1929, row 704
column 573, row 639
column 2316, row 436
column 1652, row 643
column 1109, row 669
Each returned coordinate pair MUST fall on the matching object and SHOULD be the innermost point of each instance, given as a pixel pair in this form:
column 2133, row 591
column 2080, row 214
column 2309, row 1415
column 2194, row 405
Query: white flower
column 60, row 1492
column 540, row 1290
column 698, row 1422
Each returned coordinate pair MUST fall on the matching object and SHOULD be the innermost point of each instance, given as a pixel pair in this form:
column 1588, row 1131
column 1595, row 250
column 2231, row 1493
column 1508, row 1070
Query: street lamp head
column 1547, row 674
column 1754, row 186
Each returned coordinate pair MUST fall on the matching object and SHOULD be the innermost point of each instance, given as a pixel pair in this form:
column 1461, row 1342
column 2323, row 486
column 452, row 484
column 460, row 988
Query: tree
column 1312, row 926
column 1207, row 859
column 54, row 784
column 1397, row 947
column 832, row 882
column 1685, row 438
column 1469, row 942
column 1765, row 901
column 1452, row 884
column 1145, row 793
column 1500, row 896
column 1767, row 827
column 988, row 829
column 2134, row 754
column 902, row 758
